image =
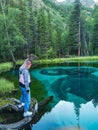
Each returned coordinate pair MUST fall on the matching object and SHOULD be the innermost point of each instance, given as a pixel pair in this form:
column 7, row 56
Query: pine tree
column 23, row 24
column 95, row 33
column 44, row 41
column 74, row 30
column 32, row 35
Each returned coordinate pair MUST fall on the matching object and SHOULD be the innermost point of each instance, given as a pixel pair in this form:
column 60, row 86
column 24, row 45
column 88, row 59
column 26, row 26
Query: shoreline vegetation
column 65, row 60
column 8, row 65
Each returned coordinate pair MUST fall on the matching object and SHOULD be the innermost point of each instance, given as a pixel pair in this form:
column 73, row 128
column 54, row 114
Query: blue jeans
column 25, row 98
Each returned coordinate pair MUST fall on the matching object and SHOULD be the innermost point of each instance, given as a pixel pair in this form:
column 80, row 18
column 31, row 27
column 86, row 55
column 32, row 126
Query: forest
column 48, row 29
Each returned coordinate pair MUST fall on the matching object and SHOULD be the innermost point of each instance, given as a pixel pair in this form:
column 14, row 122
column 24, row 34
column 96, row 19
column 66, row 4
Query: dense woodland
column 47, row 28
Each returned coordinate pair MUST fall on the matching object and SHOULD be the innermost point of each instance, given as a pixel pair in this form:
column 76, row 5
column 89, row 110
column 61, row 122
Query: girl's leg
column 27, row 101
column 22, row 98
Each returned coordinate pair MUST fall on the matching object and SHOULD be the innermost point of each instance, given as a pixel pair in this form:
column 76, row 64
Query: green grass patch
column 6, row 86
column 84, row 59
column 5, row 66
column 19, row 62
column 64, row 60
column 61, row 60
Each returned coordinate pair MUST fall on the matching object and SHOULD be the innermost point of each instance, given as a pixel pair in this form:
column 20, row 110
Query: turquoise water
column 75, row 103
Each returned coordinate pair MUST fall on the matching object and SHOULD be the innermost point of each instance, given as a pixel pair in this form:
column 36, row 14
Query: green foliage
column 28, row 27
column 50, row 53
column 6, row 86
column 74, row 29
column 12, row 36
column 95, row 32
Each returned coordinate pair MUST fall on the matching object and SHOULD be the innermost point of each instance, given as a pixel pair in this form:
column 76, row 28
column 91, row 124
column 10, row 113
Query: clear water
column 75, row 103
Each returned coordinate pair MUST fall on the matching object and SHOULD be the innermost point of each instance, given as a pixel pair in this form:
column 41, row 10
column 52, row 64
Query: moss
column 4, row 102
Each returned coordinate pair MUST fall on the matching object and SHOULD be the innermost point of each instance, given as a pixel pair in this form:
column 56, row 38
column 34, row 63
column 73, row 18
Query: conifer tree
column 95, row 32
column 74, row 30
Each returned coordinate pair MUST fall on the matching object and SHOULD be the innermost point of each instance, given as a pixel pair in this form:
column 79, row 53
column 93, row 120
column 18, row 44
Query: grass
column 5, row 66
column 64, row 60
column 19, row 62
column 6, row 86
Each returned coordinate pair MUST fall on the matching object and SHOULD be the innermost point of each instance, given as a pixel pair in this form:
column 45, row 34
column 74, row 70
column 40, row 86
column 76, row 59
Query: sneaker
column 21, row 105
column 27, row 113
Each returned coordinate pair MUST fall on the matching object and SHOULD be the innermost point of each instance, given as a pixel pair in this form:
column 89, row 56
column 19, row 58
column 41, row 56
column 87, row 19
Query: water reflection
column 75, row 91
column 63, row 115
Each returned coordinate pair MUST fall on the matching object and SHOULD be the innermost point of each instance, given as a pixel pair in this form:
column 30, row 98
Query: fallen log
column 25, row 120
column 45, row 101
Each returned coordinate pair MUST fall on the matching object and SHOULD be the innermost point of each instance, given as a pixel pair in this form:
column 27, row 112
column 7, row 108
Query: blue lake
column 75, row 102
